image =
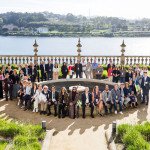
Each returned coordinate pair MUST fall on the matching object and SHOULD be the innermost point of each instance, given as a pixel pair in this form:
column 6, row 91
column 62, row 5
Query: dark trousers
column 78, row 74
column 27, row 99
column 83, row 110
column 8, row 92
column 49, row 108
column 98, row 76
column 43, row 76
column 50, row 75
column 122, row 79
column 1, row 90
column 145, row 95
column 61, row 110
column 106, row 107
column 120, row 105
column 115, row 79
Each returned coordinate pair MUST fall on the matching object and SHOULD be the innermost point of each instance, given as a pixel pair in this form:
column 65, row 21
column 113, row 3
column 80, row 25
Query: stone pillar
column 35, row 45
column 79, row 49
column 122, row 53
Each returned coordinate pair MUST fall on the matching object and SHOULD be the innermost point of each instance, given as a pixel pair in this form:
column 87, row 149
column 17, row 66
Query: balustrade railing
column 22, row 59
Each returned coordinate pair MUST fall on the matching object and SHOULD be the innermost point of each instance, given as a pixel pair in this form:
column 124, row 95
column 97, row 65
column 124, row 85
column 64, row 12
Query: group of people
column 22, row 84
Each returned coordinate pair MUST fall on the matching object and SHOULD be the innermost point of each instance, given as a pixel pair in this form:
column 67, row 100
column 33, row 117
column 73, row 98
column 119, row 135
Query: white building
column 42, row 30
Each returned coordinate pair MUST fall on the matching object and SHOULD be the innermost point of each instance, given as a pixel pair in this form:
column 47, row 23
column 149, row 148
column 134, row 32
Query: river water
column 67, row 46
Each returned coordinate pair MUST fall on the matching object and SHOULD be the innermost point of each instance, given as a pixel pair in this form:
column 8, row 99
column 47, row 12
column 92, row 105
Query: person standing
column 145, row 88
column 89, row 71
column 1, row 84
column 110, row 70
column 64, row 70
column 116, row 98
column 83, row 66
column 16, row 80
column 6, row 85
column 49, row 70
column 73, row 98
column 99, row 72
column 63, row 103
column 94, row 67
column 122, row 75
column 33, row 73
column 116, row 75
column 43, row 71
column 87, row 102
column 78, row 69
column 55, row 72
column 71, row 70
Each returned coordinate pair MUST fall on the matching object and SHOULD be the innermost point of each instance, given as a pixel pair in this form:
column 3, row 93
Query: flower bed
column 21, row 136
column 135, row 137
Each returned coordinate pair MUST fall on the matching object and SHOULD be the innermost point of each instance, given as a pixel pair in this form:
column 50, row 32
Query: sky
column 129, row 9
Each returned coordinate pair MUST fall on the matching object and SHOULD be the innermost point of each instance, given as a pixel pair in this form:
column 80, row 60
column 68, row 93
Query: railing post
column 35, row 52
column 122, row 53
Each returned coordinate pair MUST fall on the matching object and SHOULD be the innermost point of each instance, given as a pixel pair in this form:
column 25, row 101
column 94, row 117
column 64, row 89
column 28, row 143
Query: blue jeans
column 120, row 105
column 122, row 79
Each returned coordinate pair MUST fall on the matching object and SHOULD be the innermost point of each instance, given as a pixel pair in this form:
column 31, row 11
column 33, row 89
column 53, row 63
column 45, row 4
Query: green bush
column 24, row 136
column 9, row 130
column 3, row 145
column 134, row 137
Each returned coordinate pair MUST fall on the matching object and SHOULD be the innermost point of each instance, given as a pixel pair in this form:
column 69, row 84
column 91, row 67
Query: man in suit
column 33, row 73
column 78, row 69
column 43, row 71
column 49, row 70
column 54, row 96
column 87, row 102
column 145, row 87
column 26, row 70
column 7, row 87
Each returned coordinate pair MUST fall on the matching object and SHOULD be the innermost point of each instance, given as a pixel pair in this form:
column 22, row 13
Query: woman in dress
column 97, row 99
column 55, row 72
column 1, row 84
column 63, row 103
column 73, row 98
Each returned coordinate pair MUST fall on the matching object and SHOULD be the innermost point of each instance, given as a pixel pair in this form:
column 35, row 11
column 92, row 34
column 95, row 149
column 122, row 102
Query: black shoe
column 55, row 115
column 92, row 116
column 146, row 103
column 59, row 116
column 48, row 114
column 41, row 112
column 142, row 102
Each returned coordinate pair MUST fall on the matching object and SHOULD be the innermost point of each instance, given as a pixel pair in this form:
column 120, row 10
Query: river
column 67, row 46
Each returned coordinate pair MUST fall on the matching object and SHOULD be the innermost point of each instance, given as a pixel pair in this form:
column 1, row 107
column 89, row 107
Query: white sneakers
column 119, row 112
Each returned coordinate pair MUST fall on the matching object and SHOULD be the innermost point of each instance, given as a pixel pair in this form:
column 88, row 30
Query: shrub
column 3, row 145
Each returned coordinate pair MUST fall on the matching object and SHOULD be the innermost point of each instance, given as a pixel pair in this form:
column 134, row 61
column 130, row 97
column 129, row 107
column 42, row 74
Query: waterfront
column 67, row 46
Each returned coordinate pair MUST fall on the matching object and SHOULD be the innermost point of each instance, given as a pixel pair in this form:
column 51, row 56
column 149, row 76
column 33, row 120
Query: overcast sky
column 133, row 9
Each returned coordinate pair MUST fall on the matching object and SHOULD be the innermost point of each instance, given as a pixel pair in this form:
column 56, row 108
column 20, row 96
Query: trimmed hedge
column 24, row 136
column 135, row 137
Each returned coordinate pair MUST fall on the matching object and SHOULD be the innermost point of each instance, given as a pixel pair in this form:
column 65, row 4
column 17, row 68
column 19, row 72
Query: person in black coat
column 33, row 73
column 26, row 70
column 54, row 96
column 64, row 70
column 49, row 70
column 1, row 85
column 78, row 69
column 43, row 71
column 87, row 102
column 116, row 75
column 145, row 87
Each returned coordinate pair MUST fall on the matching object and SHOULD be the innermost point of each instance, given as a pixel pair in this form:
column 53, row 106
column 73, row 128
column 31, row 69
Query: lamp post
column 79, row 49
column 122, row 53
column 35, row 45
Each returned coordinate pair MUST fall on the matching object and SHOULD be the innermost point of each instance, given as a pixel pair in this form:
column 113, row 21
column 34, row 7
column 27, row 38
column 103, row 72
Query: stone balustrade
column 22, row 59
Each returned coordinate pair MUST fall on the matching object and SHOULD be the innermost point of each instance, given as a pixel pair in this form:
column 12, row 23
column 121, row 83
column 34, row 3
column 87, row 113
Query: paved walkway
column 74, row 134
